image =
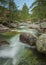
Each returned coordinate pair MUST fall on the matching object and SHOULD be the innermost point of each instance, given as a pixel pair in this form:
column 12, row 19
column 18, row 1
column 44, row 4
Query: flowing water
column 18, row 53
column 13, row 51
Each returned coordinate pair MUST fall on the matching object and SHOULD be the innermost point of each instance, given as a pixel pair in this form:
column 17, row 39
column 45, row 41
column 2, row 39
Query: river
column 18, row 53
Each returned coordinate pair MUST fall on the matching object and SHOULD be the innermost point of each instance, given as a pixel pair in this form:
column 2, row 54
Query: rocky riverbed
column 18, row 53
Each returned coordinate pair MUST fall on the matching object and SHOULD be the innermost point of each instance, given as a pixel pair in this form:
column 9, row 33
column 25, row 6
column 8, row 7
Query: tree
column 11, row 7
column 9, row 13
column 39, row 9
column 25, row 12
column 3, row 4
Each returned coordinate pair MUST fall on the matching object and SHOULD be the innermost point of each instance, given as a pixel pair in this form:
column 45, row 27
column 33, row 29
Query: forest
column 23, row 32
column 9, row 11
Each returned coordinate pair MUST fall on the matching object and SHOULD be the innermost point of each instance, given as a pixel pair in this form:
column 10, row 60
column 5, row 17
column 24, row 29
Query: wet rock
column 41, row 43
column 4, row 42
column 28, row 38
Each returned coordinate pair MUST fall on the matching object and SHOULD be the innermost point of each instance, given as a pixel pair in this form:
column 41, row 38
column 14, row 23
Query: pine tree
column 39, row 10
column 25, row 12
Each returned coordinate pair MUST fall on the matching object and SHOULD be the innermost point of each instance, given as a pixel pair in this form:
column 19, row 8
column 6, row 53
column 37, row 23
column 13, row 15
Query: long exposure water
column 18, row 53
column 14, row 50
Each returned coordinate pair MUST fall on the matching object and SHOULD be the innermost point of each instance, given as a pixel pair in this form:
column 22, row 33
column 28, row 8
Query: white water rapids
column 13, row 50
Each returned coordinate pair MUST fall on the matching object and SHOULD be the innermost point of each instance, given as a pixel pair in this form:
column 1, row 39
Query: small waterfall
column 13, row 51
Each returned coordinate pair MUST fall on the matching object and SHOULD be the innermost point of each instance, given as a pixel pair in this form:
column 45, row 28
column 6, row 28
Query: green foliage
column 39, row 10
column 32, row 57
column 25, row 12
column 12, row 8
column 9, row 12
column 8, row 34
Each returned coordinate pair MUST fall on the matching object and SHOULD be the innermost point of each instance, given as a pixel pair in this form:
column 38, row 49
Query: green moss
column 31, row 58
column 8, row 34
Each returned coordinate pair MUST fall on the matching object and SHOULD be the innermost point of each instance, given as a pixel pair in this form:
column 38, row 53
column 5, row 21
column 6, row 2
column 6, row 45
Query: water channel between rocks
column 18, row 53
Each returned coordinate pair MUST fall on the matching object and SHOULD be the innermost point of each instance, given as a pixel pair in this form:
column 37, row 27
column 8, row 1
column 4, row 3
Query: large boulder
column 41, row 43
column 28, row 38
column 43, row 27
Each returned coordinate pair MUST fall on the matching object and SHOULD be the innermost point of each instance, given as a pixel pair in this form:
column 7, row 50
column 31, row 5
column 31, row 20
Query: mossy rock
column 41, row 43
